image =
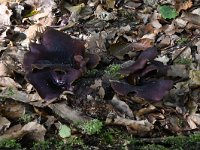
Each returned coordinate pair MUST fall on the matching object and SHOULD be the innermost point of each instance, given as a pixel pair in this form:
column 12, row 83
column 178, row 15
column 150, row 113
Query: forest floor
column 136, row 85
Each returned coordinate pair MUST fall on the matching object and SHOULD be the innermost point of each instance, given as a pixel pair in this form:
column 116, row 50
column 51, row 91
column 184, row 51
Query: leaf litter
column 156, row 90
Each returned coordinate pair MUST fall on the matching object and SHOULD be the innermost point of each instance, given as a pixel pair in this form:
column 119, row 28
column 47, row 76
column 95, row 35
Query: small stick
column 189, row 44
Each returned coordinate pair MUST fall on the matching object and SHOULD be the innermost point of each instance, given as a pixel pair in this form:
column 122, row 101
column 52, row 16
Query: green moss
column 113, row 71
column 11, row 144
column 182, row 40
column 75, row 141
column 153, row 147
column 10, row 91
column 107, row 137
column 25, row 118
column 176, row 141
column 91, row 73
column 92, row 127
column 114, row 136
column 43, row 145
column 183, row 61
column 194, row 138
column 32, row 13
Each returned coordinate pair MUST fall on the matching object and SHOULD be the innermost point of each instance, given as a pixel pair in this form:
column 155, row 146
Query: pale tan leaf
column 34, row 30
column 133, row 125
column 35, row 131
column 5, row 14
column 195, row 118
column 4, row 123
column 3, row 70
column 191, row 123
column 8, row 82
column 150, row 108
column 183, row 5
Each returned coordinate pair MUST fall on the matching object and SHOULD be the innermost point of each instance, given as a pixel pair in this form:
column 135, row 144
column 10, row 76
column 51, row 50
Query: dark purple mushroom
column 147, row 55
column 150, row 90
column 54, row 64
column 153, row 90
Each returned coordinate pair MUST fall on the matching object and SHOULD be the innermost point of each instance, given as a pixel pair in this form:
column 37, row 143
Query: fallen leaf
column 120, row 49
column 12, row 110
column 194, row 76
column 34, row 31
column 34, row 130
column 13, row 58
column 138, row 126
column 192, row 18
column 9, row 82
column 121, row 106
column 191, row 123
column 195, row 118
column 64, row 131
column 104, row 15
column 5, row 14
column 142, row 44
column 4, row 124
column 43, row 9
column 67, row 113
column 183, row 5
column 150, row 108
column 4, row 70
column 178, row 71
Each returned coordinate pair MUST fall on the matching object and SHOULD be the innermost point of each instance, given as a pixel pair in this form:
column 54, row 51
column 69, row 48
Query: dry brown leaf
column 15, row 94
column 98, row 86
column 142, row 44
column 13, row 57
column 4, row 123
column 67, row 113
column 192, row 18
column 183, row 5
column 169, row 29
column 14, row 128
column 121, row 106
column 166, row 41
column 34, row 130
column 150, row 108
column 3, row 70
column 120, row 49
column 174, row 124
column 12, row 110
column 134, row 125
column 9, row 82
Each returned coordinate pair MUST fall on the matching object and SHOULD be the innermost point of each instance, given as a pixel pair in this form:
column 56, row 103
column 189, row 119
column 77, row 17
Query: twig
column 187, row 45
